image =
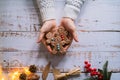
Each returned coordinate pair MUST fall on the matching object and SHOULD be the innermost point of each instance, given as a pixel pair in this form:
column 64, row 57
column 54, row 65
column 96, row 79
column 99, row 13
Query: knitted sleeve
column 72, row 8
column 47, row 9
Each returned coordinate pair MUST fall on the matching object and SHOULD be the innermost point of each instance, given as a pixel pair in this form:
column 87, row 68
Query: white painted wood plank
column 16, row 14
column 88, row 41
column 101, row 41
column 115, row 76
column 64, row 63
column 82, row 76
column 23, row 15
column 100, row 15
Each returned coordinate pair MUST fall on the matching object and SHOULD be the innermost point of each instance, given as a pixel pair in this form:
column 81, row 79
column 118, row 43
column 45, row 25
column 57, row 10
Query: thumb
column 40, row 37
column 75, row 36
column 54, row 29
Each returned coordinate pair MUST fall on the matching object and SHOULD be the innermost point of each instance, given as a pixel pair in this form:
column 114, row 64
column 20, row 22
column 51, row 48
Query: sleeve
column 47, row 9
column 72, row 8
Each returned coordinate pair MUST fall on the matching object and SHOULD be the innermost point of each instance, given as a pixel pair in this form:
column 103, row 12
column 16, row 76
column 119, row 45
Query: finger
column 54, row 29
column 75, row 36
column 61, row 23
column 49, row 49
column 40, row 37
column 66, row 47
column 47, row 46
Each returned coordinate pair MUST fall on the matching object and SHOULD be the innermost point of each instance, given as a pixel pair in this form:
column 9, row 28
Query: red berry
column 100, row 77
column 89, row 69
column 86, row 62
column 92, row 74
column 88, row 65
column 98, row 74
column 94, row 69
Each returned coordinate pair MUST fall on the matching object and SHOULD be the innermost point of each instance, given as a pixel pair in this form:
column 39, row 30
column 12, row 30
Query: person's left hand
column 69, row 25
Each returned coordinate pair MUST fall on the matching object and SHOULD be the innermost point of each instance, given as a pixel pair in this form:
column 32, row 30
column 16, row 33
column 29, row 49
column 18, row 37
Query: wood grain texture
column 115, row 76
column 95, row 15
column 98, row 28
column 64, row 63
column 88, row 41
column 83, row 76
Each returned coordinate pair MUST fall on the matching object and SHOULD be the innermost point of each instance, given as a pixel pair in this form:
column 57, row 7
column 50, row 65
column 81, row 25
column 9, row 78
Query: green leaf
column 109, row 75
column 90, row 78
column 87, row 79
column 105, row 70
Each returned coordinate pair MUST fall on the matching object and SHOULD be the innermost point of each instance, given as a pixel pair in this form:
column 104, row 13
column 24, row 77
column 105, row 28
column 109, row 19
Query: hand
column 69, row 25
column 49, row 25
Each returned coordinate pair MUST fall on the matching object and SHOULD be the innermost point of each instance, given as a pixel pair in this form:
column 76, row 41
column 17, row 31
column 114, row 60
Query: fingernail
column 77, row 40
column 38, row 41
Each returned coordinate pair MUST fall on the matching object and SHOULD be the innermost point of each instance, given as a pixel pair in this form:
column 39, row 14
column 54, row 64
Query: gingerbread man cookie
column 58, row 40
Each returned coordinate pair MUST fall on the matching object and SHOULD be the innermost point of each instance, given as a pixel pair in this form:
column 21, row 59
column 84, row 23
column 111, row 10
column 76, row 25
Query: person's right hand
column 47, row 26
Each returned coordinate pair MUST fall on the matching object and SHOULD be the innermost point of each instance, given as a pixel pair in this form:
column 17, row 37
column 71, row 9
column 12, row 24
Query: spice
column 22, row 76
column 58, row 75
column 33, row 68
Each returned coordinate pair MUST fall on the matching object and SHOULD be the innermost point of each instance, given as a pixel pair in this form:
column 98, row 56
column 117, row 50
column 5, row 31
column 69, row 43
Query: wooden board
column 115, row 76
column 82, row 76
column 88, row 41
column 64, row 63
column 98, row 28
column 23, row 15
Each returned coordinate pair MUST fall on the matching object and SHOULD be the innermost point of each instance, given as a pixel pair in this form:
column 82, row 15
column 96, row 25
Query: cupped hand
column 69, row 25
column 47, row 26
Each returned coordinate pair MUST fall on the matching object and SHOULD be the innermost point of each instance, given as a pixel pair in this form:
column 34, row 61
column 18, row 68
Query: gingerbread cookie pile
column 58, row 40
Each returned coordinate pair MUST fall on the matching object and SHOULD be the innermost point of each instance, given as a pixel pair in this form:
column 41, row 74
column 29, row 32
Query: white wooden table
column 98, row 28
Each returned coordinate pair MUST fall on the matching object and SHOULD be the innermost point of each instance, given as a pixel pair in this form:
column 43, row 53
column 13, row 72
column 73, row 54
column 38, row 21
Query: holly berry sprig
column 95, row 75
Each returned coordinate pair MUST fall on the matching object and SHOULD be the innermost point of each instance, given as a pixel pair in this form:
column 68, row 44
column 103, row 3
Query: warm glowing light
column 0, row 70
column 2, row 78
column 13, row 75
column 26, row 71
column 1, row 74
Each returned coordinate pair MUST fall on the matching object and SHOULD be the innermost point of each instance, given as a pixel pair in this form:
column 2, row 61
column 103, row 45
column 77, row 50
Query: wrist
column 50, row 20
column 71, row 11
column 68, row 18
